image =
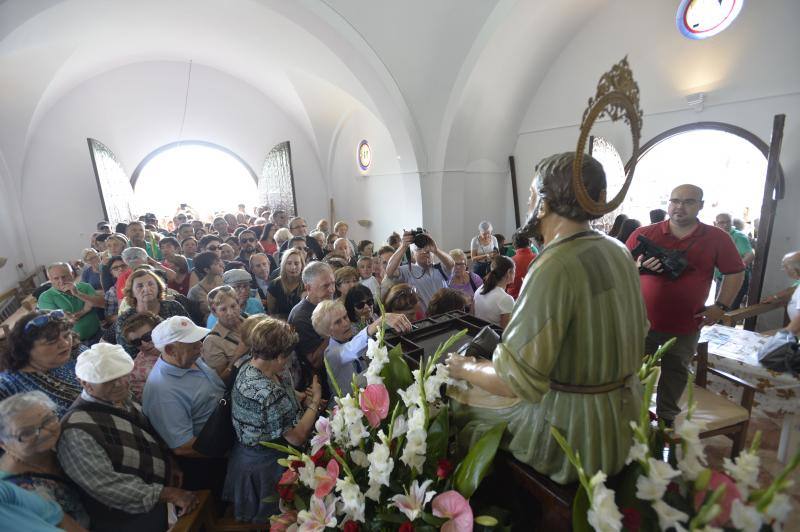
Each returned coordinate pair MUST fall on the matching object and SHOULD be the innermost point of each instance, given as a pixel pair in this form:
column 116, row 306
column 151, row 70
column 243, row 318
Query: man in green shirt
column 724, row 221
column 77, row 300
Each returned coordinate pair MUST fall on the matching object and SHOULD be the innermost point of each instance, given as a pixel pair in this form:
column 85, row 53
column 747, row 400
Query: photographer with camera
column 676, row 262
column 425, row 276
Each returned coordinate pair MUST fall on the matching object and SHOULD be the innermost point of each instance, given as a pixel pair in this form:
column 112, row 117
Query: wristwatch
column 723, row 306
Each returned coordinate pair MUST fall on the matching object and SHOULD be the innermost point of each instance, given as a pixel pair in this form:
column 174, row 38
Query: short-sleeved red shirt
column 672, row 304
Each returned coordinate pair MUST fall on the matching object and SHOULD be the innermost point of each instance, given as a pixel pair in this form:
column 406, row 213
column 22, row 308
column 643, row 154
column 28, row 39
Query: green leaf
column 438, row 434
column 291, row 451
column 433, row 520
column 473, row 468
column 580, row 511
column 486, row 520
column 396, row 374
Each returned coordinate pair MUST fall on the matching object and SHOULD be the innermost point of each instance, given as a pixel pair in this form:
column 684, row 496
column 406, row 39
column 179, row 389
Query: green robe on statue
column 580, row 320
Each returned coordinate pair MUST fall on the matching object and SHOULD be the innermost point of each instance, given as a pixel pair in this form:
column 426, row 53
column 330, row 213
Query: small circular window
column 700, row 19
column 364, row 155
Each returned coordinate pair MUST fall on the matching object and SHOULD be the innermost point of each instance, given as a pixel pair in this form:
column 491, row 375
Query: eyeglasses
column 691, row 202
column 146, row 337
column 246, row 240
column 212, row 248
column 117, row 268
column 460, row 264
column 365, row 303
column 40, row 321
column 299, row 226
column 32, row 433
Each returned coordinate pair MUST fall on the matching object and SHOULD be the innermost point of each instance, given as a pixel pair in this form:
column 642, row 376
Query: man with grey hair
column 724, row 221
column 77, row 300
column 299, row 229
column 320, row 285
column 425, row 276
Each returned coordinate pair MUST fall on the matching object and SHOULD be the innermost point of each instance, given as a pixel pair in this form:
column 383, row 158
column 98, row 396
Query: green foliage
column 473, row 468
column 438, row 435
column 580, row 511
column 396, row 374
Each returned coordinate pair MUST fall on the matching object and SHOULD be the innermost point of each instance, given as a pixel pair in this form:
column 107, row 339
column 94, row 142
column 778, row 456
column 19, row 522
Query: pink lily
column 318, row 517
column 412, row 504
column 323, row 435
column 453, row 505
column 374, row 402
column 281, row 523
column 326, row 478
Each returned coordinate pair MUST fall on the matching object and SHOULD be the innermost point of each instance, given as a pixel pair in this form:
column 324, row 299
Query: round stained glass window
column 364, row 155
column 700, row 19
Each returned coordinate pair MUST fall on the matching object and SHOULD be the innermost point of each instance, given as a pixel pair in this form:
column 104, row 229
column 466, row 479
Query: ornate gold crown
column 617, row 97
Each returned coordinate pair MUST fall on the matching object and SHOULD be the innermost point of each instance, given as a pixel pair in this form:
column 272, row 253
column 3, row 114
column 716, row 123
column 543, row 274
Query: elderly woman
column 345, row 351
column 223, row 346
column 343, row 247
column 265, row 407
column 282, row 235
column 249, row 302
column 492, row 303
column 287, row 290
column 138, row 333
column 483, row 248
column 346, row 278
column 29, row 431
column 366, row 248
column 145, row 292
column 463, row 280
column 91, row 270
column 403, row 298
column 38, row 359
column 360, row 305
column 115, row 243
column 227, row 252
column 209, row 268
column 133, row 258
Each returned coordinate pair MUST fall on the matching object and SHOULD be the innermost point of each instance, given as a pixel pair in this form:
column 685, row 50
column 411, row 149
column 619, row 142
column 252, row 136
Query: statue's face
column 533, row 226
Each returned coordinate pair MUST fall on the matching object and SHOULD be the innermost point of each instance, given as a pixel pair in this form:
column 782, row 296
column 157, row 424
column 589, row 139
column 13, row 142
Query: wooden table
column 735, row 351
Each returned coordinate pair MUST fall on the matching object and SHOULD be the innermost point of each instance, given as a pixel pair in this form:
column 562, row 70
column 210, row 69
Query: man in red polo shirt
column 523, row 256
column 676, row 307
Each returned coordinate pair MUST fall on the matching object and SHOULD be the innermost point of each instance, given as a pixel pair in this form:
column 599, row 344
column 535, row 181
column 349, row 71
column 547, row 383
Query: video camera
column 421, row 239
column 673, row 261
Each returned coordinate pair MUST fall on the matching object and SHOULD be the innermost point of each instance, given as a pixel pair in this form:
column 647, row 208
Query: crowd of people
column 110, row 392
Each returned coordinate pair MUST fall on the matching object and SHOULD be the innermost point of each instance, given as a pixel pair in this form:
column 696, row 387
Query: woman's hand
column 316, row 392
column 460, row 366
column 398, row 322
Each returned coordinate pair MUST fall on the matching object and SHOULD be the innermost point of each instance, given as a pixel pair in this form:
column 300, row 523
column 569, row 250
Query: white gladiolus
column 411, row 396
column 353, row 421
column 381, row 465
column 379, row 357
column 603, row 515
column 745, row 518
column 400, row 427
column 306, row 473
column 337, row 426
column 669, row 517
column 416, row 440
column 352, row 501
column 691, row 455
column 653, row 486
column 744, row 470
column 359, row 458
column 779, row 508
column 638, row 453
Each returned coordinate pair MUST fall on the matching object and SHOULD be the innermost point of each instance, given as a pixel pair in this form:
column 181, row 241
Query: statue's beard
column 533, row 225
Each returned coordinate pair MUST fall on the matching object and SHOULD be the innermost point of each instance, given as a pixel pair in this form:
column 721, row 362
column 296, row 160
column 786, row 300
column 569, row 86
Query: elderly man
column 425, row 276
column 280, row 218
column 676, row 306
column 108, row 448
column 180, row 395
column 77, row 300
column 221, row 227
column 138, row 238
column 320, row 285
column 570, row 354
column 260, row 269
column 249, row 301
column 724, row 221
column 299, row 229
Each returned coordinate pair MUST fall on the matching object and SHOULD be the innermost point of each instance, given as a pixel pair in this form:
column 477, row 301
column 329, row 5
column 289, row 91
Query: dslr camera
column 420, row 238
column 673, row 261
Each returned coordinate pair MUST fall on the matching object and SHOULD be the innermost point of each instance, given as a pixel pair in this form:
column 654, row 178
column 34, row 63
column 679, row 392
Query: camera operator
column 676, row 306
column 426, row 277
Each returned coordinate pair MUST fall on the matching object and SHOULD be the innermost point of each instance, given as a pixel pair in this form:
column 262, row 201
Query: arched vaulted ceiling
column 449, row 79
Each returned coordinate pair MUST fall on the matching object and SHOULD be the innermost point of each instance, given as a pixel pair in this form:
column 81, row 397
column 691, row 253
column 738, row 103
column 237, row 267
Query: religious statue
column 570, row 354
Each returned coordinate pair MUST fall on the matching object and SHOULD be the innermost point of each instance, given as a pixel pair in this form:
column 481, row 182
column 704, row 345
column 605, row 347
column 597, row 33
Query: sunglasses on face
column 212, row 248
column 146, row 337
column 40, row 321
column 365, row 303
column 246, row 240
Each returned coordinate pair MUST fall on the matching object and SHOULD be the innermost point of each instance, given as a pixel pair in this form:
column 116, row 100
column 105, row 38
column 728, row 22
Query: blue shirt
column 253, row 306
column 346, row 359
column 178, row 401
column 24, row 510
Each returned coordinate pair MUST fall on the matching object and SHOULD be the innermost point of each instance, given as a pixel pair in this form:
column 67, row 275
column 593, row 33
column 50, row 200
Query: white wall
column 748, row 78
column 134, row 110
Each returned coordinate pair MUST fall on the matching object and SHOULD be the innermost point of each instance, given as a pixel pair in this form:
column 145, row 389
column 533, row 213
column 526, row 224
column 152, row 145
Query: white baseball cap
column 177, row 329
column 103, row 363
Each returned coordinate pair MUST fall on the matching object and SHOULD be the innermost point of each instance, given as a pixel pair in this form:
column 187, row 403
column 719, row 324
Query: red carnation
column 406, row 527
column 443, row 468
column 350, row 526
column 631, row 519
column 318, row 457
column 296, row 464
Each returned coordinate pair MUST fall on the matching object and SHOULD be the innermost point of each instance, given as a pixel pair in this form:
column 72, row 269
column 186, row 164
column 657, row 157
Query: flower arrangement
column 379, row 460
column 684, row 493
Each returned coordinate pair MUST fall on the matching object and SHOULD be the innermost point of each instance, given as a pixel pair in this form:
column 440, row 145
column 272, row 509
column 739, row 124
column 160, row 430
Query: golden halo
column 617, row 97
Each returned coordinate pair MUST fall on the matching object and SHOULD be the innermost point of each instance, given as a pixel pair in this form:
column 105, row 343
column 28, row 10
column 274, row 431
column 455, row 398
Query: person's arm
column 445, row 258
column 187, row 450
column 299, row 434
column 473, row 250
column 748, row 258
column 397, row 256
column 185, row 501
column 171, row 274
column 504, row 319
column 214, row 355
column 70, row 525
column 784, row 295
column 731, row 284
column 480, row 373
column 86, row 463
column 88, row 295
column 193, row 279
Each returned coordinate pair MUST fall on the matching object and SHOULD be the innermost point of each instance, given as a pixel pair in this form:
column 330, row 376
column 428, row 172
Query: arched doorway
column 207, row 177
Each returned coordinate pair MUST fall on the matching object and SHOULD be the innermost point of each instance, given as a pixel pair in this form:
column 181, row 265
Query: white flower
column 745, row 518
column 319, row 516
column 352, row 500
column 381, row 465
column 359, row 458
column 414, row 502
column 379, row 357
column 416, row 445
column 669, row 517
column 779, row 508
column 603, row 515
column 411, row 396
column 652, row 486
column 353, row 421
column 691, row 455
column 400, row 427
column 744, row 470
column 306, row 473
column 637, row 453
column 337, row 426
column 433, row 384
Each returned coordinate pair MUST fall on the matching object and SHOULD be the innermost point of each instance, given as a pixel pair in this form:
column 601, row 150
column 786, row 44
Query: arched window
column 207, row 177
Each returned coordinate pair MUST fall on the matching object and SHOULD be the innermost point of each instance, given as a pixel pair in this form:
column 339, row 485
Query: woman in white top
column 492, row 303
column 483, row 248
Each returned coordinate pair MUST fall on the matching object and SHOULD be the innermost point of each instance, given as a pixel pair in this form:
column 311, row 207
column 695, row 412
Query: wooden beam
column 513, row 167
column 767, row 218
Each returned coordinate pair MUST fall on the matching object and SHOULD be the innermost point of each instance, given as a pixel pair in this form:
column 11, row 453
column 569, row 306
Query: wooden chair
column 722, row 416
column 731, row 318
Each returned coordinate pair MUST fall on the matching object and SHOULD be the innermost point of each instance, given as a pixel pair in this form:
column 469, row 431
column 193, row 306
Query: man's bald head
column 791, row 262
column 693, row 190
column 685, row 201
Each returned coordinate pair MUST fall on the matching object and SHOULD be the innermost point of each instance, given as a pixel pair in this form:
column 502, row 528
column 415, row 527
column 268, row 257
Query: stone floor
column 720, row 446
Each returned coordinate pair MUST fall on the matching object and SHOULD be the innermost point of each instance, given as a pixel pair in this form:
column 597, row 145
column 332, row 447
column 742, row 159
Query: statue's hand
column 460, row 366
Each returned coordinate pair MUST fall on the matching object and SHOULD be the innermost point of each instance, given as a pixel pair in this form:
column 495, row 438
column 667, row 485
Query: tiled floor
column 720, row 446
